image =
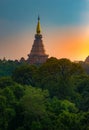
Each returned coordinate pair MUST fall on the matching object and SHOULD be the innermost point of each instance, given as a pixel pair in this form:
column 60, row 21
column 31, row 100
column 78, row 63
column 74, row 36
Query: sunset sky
column 64, row 23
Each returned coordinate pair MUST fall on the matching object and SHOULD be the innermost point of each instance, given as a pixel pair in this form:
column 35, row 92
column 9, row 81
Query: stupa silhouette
column 37, row 54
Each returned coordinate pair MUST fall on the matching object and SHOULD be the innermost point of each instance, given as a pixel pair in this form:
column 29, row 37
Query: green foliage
column 34, row 100
column 53, row 96
column 7, row 67
column 58, row 106
column 25, row 75
column 84, row 120
column 6, row 81
column 83, row 90
column 7, row 112
column 68, row 121
column 85, row 65
column 34, row 104
column 68, row 106
column 18, row 91
column 10, row 106
column 56, row 76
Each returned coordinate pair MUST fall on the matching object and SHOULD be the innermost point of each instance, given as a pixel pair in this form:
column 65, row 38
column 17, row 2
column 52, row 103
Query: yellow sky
column 71, row 42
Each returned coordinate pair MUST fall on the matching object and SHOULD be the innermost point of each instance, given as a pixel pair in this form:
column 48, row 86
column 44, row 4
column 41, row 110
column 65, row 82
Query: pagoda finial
column 38, row 18
column 38, row 29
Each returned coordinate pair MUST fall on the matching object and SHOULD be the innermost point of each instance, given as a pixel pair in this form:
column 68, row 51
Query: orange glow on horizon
column 73, row 45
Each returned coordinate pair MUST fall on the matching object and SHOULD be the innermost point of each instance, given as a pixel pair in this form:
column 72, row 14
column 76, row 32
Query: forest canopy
column 51, row 96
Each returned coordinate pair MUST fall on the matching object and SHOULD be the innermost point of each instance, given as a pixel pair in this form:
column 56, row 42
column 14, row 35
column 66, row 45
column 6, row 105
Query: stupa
column 37, row 54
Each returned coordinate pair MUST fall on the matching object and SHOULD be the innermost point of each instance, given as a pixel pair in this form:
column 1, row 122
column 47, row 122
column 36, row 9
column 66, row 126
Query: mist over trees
column 51, row 96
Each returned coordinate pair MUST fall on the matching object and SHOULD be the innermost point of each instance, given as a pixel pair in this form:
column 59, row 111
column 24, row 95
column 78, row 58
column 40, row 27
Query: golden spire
column 38, row 29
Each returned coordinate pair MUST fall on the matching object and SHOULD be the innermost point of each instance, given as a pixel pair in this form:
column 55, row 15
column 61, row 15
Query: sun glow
column 71, row 43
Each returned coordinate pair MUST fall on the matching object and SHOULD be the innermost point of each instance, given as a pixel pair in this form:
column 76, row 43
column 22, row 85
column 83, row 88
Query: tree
column 7, row 67
column 6, row 81
column 7, row 111
column 34, row 104
column 3, row 121
column 67, row 121
column 25, row 75
column 56, row 76
column 82, row 88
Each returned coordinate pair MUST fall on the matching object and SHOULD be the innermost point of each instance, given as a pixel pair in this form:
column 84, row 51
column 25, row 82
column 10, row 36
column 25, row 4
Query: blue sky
column 17, row 16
